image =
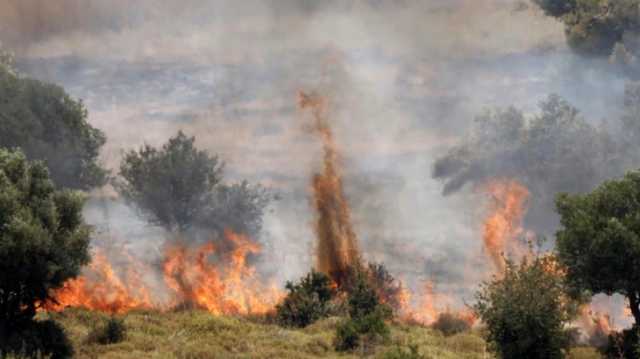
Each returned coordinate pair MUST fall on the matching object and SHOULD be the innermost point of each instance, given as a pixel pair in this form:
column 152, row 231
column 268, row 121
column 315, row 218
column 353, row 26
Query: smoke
column 555, row 150
column 410, row 77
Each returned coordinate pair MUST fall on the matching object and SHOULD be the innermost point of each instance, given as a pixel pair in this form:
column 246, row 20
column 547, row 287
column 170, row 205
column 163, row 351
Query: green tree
column 47, row 124
column 526, row 311
column 171, row 185
column 43, row 239
column 179, row 188
column 599, row 239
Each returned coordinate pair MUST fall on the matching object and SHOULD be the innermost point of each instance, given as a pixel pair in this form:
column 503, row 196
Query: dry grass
column 197, row 334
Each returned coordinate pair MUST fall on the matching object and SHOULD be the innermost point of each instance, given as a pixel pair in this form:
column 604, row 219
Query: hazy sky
column 405, row 78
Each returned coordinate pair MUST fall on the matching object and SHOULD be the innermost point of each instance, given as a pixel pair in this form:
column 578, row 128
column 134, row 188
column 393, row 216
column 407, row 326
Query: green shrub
column 39, row 339
column 347, row 336
column 307, row 301
column 113, row 331
column 450, row 324
column 366, row 323
column 526, row 311
column 400, row 353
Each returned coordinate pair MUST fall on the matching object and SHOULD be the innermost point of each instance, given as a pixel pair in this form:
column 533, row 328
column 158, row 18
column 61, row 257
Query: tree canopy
column 43, row 239
column 599, row 239
column 180, row 187
column 47, row 124
column 554, row 150
column 595, row 27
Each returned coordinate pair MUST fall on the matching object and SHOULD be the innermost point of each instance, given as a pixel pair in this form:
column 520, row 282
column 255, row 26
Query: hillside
column 198, row 334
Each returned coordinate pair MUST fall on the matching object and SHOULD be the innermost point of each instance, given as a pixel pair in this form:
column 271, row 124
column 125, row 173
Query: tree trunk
column 634, row 303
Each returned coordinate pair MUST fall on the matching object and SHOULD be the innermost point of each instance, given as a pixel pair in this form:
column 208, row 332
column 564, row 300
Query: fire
column 595, row 326
column 502, row 226
column 337, row 241
column 101, row 288
column 232, row 289
column 222, row 283
column 430, row 305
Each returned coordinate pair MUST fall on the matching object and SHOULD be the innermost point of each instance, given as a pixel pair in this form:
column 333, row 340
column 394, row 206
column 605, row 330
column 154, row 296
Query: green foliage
column 171, row 185
column 113, row 331
column 594, row 27
column 306, row 301
column 366, row 322
column 385, row 285
column 43, row 239
column 526, row 311
column 450, row 324
column 47, row 124
column 599, row 239
column 38, row 339
column 347, row 336
column 401, row 353
column 179, row 187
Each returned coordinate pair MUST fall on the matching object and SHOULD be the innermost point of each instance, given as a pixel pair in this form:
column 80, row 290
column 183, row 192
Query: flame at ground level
column 198, row 277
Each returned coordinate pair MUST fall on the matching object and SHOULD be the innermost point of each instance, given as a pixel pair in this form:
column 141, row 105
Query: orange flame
column 226, row 286
column 233, row 290
column 430, row 305
column 101, row 288
column 502, row 226
column 337, row 242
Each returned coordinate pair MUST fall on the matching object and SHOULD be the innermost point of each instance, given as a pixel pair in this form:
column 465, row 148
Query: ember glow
column 503, row 225
column 196, row 277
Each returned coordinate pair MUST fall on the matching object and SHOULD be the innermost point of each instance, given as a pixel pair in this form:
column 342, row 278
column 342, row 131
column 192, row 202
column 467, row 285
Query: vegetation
column 526, row 311
column 595, row 27
column 179, row 187
column 198, row 334
column 555, row 150
column 47, row 124
column 306, row 301
column 599, row 240
column 43, row 241
column 401, row 353
column 366, row 323
column 113, row 331
column 451, row 324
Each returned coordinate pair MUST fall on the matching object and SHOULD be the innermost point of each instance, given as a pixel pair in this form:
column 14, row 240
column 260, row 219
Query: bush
column 307, row 301
column 386, row 287
column 526, row 311
column 450, row 324
column 622, row 345
column 400, row 353
column 113, row 331
column 39, row 339
column 366, row 318
column 347, row 336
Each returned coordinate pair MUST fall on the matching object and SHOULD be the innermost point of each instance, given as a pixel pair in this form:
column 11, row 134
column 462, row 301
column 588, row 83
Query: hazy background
column 405, row 77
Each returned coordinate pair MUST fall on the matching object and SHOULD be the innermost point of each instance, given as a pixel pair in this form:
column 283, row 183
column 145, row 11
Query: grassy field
column 198, row 334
